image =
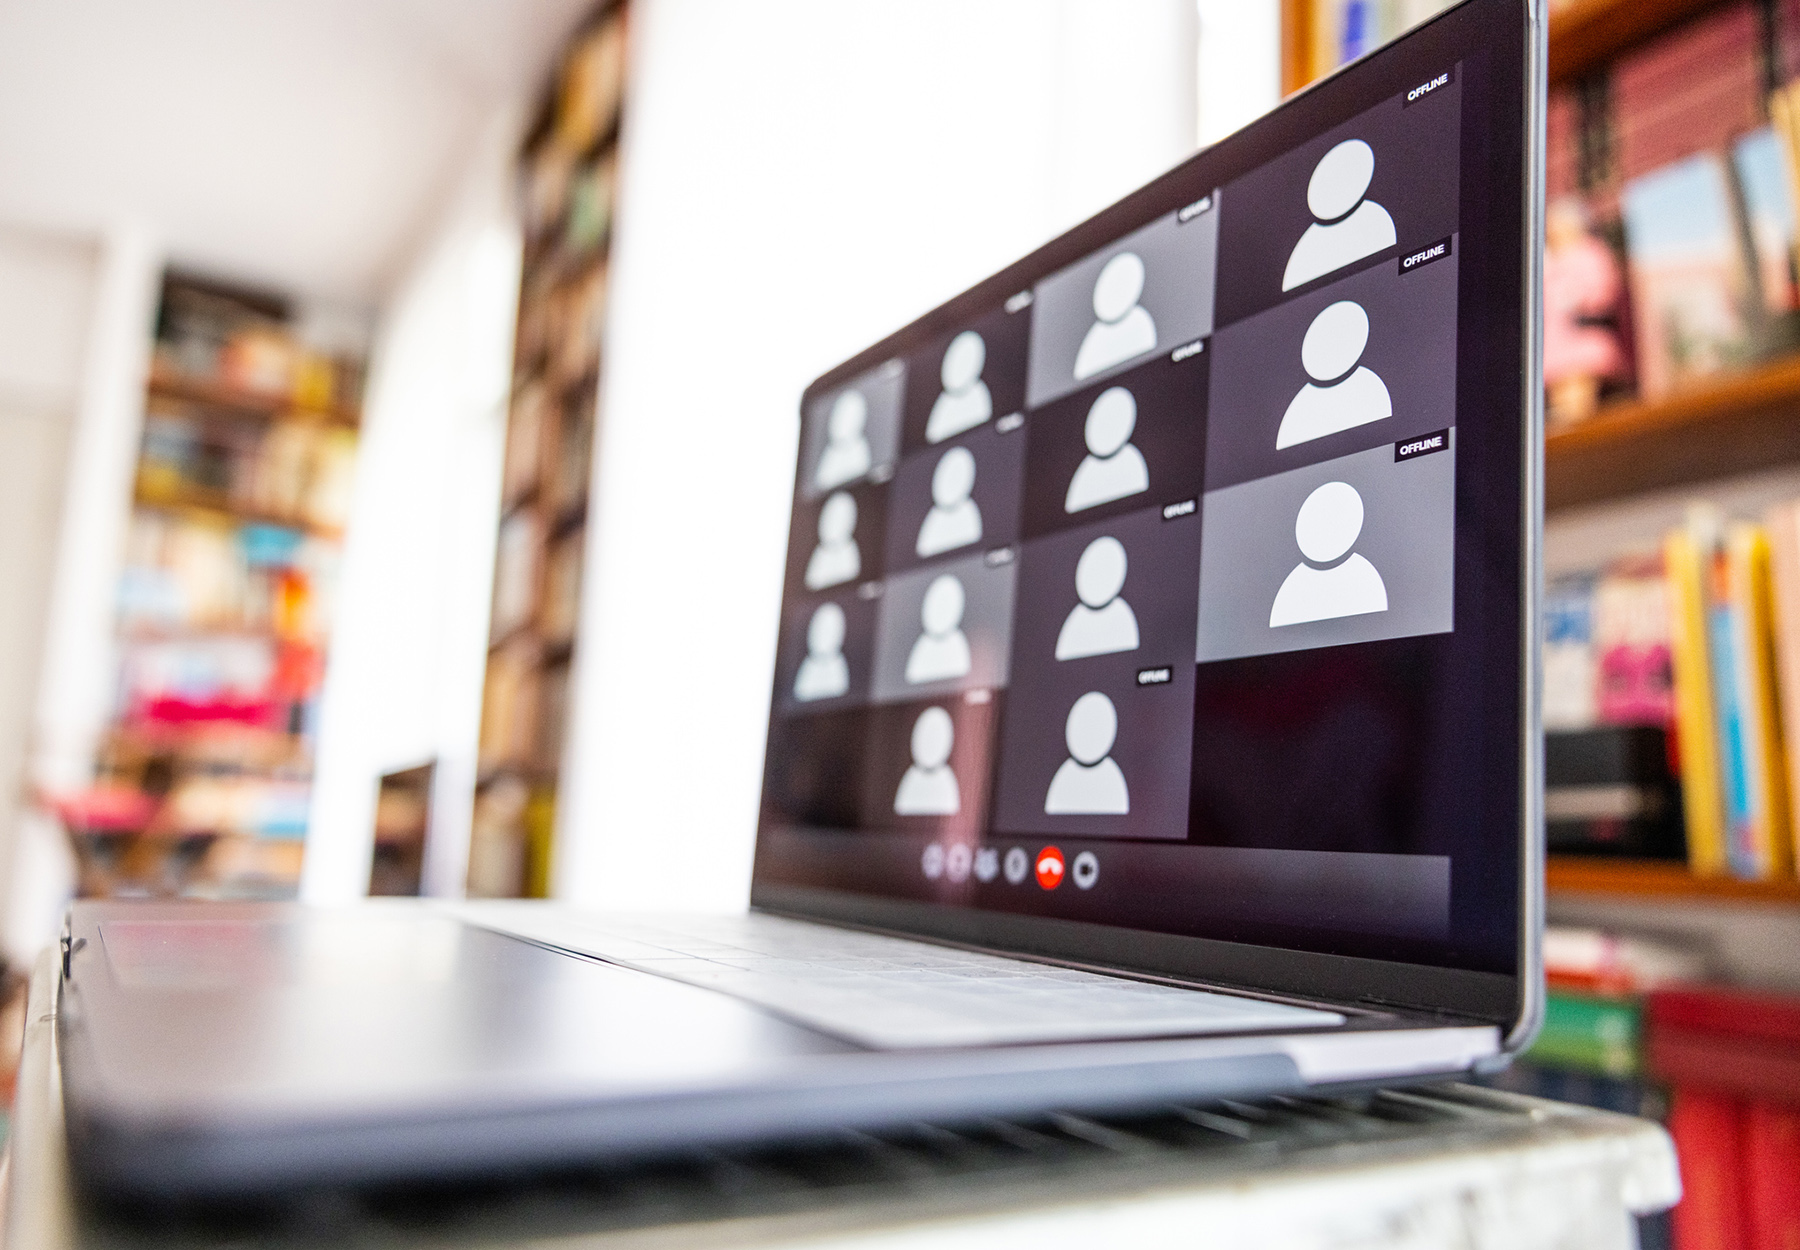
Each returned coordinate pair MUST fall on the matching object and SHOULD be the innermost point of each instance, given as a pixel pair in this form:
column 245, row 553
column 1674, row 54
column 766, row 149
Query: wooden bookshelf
column 1585, row 34
column 1736, row 423
column 171, row 384
column 1568, row 874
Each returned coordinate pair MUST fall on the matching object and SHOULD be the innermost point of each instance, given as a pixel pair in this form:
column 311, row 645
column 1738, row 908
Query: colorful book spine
column 1783, row 524
column 1708, row 1133
column 1771, row 1145
column 1688, row 555
column 1587, row 1033
column 1758, row 844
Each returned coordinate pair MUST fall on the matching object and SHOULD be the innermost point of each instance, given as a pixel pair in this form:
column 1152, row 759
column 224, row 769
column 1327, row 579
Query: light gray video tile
column 1150, row 292
column 945, row 628
column 853, row 432
column 1351, row 550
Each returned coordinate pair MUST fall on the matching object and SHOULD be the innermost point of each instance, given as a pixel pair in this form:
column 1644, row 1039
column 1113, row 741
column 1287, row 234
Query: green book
column 1589, row 1034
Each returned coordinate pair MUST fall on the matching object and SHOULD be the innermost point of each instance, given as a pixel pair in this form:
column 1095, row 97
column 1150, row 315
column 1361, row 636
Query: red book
column 1771, row 1149
column 1708, row 1140
column 1691, row 90
column 1725, row 1041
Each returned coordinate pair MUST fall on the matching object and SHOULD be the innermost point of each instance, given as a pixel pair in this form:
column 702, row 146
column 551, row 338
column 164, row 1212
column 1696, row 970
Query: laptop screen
column 1172, row 580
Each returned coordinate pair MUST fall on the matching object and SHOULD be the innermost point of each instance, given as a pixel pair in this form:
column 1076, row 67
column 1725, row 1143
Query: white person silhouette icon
column 1089, row 782
column 954, row 520
column 1125, row 329
column 1329, row 352
column 964, row 402
column 1102, row 623
column 836, row 559
column 1348, row 227
column 846, row 456
column 824, row 673
column 929, row 787
column 1113, row 468
column 1328, row 525
column 942, row 650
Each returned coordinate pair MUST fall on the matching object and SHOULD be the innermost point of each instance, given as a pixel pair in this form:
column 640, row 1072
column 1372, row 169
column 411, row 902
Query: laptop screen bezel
column 1513, row 31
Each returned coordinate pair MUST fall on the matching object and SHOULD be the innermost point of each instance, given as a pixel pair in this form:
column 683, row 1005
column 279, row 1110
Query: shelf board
column 1739, row 422
column 167, row 383
column 1569, row 874
column 1586, row 33
column 220, row 510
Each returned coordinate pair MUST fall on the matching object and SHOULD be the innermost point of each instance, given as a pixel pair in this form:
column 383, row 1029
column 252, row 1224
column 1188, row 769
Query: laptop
column 1154, row 720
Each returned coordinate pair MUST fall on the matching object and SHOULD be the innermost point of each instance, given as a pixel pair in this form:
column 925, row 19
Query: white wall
column 75, row 323
column 800, row 178
column 408, row 647
column 1239, row 72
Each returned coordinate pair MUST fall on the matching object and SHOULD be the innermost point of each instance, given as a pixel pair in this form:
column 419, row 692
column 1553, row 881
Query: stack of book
column 1681, row 664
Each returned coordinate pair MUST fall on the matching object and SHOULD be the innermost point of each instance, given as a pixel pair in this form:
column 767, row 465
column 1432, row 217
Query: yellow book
column 1783, row 524
column 1757, row 793
column 1687, row 559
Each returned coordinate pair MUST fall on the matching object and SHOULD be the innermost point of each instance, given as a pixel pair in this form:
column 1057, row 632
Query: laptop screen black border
column 1503, row 33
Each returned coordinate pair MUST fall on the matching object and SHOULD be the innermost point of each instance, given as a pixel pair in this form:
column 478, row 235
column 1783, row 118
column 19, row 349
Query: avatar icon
column 1349, row 227
column 836, row 559
column 954, row 520
column 964, row 402
column 1337, row 398
column 942, row 651
column 824, row 673
column 1327, row 527
column 929, row 787
column 1113, row 467
column 846, row 456
column 1125, row 329
column 1102, row 623
column 1089, row 783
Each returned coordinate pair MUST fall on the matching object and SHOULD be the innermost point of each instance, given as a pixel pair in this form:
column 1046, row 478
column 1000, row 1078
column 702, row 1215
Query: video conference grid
column 1228, row 433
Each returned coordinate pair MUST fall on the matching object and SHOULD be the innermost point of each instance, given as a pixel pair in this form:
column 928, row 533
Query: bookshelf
column 566, row 194
column 1736, row 423
column 202, row 779
column 1585, row 34
column 1666, row 881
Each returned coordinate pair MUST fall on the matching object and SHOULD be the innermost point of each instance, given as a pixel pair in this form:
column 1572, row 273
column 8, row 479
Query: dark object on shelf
column 1609, row 791
column 402, row 820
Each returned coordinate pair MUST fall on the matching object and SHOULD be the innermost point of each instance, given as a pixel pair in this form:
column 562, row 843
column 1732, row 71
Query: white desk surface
column 1456, row 1167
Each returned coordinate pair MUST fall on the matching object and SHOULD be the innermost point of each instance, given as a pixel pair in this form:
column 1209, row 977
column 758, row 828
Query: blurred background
column 397, row 418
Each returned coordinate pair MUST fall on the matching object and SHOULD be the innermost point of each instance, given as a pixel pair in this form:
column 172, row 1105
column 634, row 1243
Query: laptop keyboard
column 888, row 992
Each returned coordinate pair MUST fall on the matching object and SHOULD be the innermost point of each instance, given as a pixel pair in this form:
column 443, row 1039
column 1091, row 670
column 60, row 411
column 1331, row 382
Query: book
column 1783, row 524
column 1588, row 1033
column 1688, row 559
column 1771, row 1147
column 1571, row 673
column 1707, row 1129
column 1761, row 162
column 1693, row 89
column 1741, row 1043
column 1758, row 844
column 1594, row 961
column 1691, row 285
column 1631, row 643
